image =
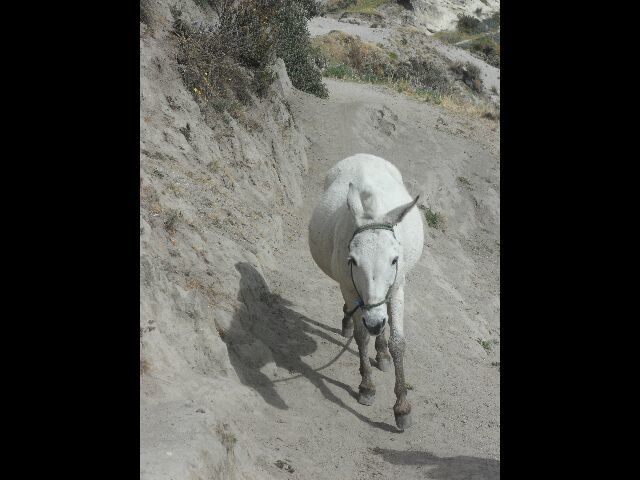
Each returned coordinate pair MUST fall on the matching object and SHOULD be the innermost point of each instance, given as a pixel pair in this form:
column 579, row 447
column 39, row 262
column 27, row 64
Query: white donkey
column 366, row 235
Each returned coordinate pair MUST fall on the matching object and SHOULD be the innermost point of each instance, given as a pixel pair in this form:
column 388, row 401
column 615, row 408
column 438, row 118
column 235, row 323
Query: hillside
column 243, row 371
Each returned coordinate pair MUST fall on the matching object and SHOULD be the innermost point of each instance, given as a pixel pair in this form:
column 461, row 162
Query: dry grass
column 347, row 57
column 469, row 74
column 221, row 332
column 366, row 6
column 353, row 6
column 172, row 218
column 227, row 437
column 457, row 104
column 145, row 366
column 340, row 47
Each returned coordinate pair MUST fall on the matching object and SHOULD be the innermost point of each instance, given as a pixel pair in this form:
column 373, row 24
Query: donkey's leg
column 347, row 323
column 349, row 297
column 367, row 390
column 383, row 358
column 402, row 408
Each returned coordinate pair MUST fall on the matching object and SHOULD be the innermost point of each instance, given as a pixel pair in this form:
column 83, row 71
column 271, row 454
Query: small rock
column 200, row 410
column 285, row 466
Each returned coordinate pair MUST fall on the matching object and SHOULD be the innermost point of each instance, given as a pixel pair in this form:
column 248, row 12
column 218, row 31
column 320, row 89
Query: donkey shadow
column 445, row 468
column 264, row 331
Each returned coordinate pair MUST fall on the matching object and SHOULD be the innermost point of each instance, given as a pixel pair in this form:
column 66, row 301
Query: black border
column 75, row 240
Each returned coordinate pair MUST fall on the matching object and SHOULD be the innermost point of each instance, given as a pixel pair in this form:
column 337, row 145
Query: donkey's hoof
column 404, row 421
column 384, row 364
column 347, row 332
column 366, row 397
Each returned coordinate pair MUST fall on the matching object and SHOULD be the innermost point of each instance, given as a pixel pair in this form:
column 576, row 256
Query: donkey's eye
column 395, row 260
column 351, row 261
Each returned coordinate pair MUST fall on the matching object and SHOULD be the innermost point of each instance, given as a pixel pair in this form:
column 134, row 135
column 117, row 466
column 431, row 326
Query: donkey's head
column 374, row 255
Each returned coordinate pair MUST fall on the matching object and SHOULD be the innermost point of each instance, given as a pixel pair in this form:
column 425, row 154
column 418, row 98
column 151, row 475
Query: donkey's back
column 355, row 167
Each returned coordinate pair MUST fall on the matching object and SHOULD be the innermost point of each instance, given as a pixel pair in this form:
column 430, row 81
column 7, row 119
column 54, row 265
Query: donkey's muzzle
column 376, row 329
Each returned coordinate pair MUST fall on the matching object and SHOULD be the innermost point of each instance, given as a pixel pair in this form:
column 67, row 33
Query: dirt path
column 314, row 420
column 322, row 25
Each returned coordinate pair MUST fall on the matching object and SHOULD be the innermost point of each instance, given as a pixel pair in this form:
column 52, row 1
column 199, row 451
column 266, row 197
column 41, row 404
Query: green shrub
column 339, row 70
column 487, row 49
column 469, row 24
column 311, row 6
column 293, row 45
column 278, row 28
column 423, row 74
column 434, row 219
column 484, row 344
column 429, row 95
column 469, row 74
column 493, row 22
column 225, row 67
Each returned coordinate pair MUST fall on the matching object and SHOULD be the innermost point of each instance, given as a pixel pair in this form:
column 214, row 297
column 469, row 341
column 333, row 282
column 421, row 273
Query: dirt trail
column 452, row 301
column 322, row 25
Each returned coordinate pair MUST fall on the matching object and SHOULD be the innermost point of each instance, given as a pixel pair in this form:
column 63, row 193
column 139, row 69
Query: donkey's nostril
column 376, row 329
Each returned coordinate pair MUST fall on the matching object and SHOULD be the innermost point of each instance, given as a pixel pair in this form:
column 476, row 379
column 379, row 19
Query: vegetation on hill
column 453, row 85
column 225, row 67
column 480, row 37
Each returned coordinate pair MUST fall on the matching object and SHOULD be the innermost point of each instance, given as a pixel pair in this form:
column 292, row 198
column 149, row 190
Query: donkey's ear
column 355, row 203
column 396, row 215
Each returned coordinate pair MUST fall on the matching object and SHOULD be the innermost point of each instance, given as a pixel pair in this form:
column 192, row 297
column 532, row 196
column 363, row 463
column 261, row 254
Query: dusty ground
column 244, row 373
